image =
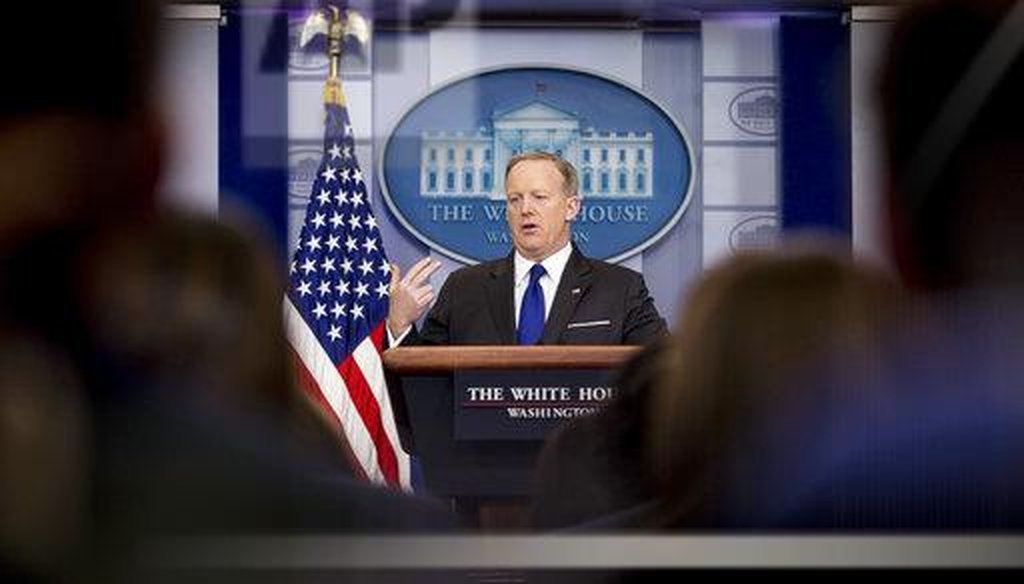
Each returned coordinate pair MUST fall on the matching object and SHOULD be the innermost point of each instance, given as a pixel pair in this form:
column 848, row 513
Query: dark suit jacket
column 596, row 303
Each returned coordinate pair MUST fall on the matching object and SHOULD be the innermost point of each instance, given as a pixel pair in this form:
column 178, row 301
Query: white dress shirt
column 554, row 266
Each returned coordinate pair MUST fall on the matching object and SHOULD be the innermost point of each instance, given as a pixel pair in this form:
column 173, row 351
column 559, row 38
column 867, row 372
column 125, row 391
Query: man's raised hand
column 411, row 295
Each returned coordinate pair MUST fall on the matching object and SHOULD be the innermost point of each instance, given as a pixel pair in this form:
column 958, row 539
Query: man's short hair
column 570, row 182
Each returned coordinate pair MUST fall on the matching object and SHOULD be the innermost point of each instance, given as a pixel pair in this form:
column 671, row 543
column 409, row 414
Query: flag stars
column 319, row 220
column 339, row 280
column 338, row 310
column 337, row 220
column 320, row 311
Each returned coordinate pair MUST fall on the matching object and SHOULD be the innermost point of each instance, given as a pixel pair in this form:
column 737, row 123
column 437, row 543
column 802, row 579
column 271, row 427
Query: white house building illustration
column 614, row 165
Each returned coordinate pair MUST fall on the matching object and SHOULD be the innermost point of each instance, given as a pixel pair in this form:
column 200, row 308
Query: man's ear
column 572, row 208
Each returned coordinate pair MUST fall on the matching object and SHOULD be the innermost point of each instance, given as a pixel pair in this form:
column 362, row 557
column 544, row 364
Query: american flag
column 337, row 304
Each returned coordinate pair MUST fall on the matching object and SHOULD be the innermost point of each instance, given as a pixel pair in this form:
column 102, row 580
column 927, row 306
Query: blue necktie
column 531, row 313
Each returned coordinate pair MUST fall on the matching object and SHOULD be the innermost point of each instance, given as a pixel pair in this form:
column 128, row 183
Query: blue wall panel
column 254, row 121
column 815, row 118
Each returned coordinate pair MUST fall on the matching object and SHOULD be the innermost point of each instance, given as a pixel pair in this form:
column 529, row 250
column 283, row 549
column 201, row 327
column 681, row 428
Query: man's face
column 539, row 212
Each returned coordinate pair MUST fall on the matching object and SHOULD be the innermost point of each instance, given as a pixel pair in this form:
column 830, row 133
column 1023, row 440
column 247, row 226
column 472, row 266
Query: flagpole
column 337, row 331
column 333, row 95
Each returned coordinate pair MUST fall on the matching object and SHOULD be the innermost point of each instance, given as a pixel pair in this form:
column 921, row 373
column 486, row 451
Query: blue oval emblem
column 754, row 233
column 754, row 111
column 443, row 165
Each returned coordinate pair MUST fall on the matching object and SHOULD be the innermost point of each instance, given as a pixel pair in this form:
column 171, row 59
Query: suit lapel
column 576, row 279
column 500, row 299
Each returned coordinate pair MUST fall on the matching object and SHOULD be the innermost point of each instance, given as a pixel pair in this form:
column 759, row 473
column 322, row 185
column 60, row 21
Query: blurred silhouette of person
column 152, row 341
column 79, row 152
column 932, row 439
column 192, row 303
column 757, row 330
column 206, row 433
column 949, row 93
column 754, row 329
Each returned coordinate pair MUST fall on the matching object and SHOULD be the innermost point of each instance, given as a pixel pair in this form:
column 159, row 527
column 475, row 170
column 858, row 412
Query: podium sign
column 477, row 416
column 524, row 404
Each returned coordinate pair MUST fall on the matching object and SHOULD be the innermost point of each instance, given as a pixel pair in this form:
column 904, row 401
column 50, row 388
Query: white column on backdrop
column 739, row 166
column 869, row 36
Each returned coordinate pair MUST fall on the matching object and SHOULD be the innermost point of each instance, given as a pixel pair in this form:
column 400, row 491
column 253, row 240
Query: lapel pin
column 575, row 290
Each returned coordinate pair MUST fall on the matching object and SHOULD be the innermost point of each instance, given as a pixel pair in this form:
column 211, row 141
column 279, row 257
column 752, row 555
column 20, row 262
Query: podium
column 477, row 415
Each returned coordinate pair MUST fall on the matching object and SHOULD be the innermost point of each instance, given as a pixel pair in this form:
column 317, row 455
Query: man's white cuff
column 395, row 341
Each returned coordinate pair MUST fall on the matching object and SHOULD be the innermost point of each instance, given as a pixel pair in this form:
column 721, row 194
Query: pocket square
column 588, row 324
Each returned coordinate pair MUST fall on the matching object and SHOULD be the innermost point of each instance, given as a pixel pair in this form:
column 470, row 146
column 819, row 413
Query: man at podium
column 544, row 292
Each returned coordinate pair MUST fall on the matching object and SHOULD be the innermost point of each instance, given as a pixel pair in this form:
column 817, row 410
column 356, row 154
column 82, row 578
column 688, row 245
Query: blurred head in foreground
column 756, row 330
column 950, row 96
column 80, row 151
column 80, row 141
column 927, row 441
